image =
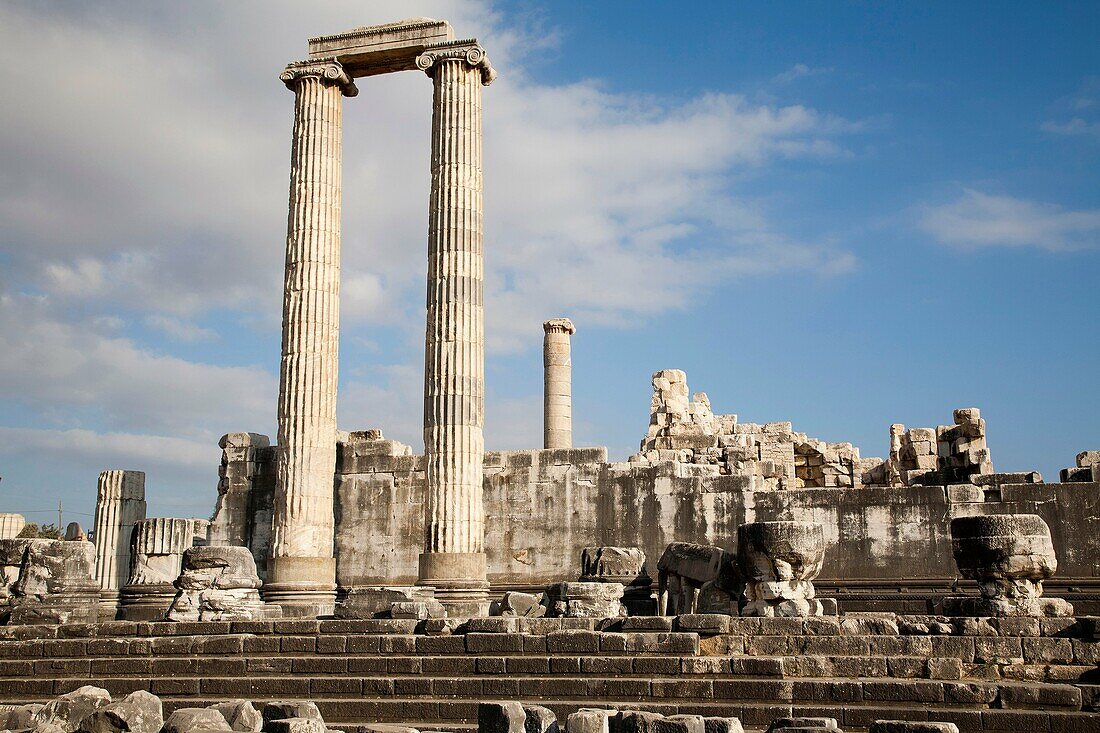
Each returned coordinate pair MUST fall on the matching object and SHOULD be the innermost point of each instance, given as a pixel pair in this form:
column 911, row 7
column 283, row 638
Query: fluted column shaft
column 120, row 502
column 454, row 361
column 302, row 569
column 557, row 403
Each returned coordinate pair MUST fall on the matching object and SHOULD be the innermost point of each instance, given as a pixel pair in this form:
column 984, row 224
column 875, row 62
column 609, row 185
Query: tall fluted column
column 120, row 502
column 302, row 571
column 557, row 384
column 453, row 561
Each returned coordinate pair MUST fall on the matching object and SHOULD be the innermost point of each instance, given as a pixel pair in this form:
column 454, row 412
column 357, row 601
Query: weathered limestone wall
column 544, row 507
column 246, row 489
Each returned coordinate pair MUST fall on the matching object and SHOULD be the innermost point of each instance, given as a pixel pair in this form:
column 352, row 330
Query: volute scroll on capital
column 330, row 71
column 469, row 51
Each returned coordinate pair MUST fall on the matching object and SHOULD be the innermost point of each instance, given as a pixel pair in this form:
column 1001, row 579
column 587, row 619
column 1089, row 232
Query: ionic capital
column 329, row 71
column 559, row 325
column 469, row 52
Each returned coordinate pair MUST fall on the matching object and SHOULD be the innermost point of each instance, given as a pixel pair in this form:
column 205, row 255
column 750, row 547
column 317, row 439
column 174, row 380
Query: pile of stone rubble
column 91, row 710
column 514, row 717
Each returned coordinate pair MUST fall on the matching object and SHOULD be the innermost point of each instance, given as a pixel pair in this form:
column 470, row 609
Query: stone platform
column 983, row 674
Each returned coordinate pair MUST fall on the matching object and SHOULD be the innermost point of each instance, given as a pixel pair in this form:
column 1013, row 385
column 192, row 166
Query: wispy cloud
column 1078, row 113
column 1076, row 126
column 976, row 219
column 801, row 71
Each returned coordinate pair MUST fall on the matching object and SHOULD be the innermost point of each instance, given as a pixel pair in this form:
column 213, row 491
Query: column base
column 146, row 602
column 108, row 605
column 459, row 580
column 303, row 587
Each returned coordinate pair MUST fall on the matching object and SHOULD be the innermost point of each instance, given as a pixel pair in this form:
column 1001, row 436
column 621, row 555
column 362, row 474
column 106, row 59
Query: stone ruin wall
column 697, row 477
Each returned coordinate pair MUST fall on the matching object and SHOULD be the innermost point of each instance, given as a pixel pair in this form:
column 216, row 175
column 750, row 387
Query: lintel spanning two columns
column 302, row 574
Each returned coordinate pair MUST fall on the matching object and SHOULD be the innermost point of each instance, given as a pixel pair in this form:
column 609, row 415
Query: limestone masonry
column 729, row 576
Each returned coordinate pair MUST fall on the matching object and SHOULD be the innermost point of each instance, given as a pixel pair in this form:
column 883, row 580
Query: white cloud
column 74, row 373
column 976, row 219
column 801, row 71
column 179, row 329
column 119, row 450
column 169, row 196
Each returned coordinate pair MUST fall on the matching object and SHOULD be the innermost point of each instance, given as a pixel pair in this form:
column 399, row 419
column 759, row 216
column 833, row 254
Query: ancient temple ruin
column 728, row 576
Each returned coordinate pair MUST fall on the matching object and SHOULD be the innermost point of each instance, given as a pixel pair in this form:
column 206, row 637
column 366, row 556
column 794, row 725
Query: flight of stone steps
column 983, row 674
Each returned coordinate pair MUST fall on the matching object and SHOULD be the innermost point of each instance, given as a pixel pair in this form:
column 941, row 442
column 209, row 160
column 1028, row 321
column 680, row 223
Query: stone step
column 614, row 687
column 228, row 663
column 978, row 649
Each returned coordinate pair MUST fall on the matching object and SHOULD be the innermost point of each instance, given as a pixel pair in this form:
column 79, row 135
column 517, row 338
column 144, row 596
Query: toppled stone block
column 138, row 712
column 911, row 726
column 524, row 605
column 778, row 562
column 693, row 578
column 241, row 715
column 625, row 565
column 1009, row 555
column 1088, row 458
column 68, row 710
column 500, row 717
column 783, row 725
column 419, row 610
column 586, row 600
column 538, row 719
column 590, row 720
column 283, row 709
column 189, row 720
column 376, row 601
column 1000, row 479
column 637, row 721
column 18, row 717
column 722, row 725
column 296, row 725
column 217, row 584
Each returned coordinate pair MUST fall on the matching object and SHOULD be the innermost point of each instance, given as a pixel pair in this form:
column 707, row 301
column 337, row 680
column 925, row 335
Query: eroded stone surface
column 217, row 584
column 1009, row 555
column 693, row 578
column 778, row 562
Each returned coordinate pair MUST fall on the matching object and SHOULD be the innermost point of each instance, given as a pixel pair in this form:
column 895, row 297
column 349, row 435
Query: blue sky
column 843, row 215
